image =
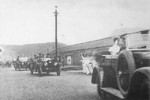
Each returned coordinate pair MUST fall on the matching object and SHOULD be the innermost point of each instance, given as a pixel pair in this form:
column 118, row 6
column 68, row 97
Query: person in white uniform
column 115, row 48
column 83, row 63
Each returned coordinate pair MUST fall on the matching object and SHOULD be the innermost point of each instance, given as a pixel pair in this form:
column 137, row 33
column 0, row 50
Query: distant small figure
column 39, row 57
column 35, row 57
column 18, row 58
column 83, row 63
column 42, row 55
column 47, row 55
column 63, row 62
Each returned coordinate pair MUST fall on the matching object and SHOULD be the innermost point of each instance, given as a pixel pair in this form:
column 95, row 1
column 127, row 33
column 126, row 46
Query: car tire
column 124, row 71
column 31, row 72
column 144, row 90
column 47, row 72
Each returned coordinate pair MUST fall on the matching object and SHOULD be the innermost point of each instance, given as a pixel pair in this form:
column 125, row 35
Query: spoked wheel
column 124, row 72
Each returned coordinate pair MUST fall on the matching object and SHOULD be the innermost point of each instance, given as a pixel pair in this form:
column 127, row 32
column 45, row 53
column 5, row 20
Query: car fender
column 94, row 75
column 136, row 81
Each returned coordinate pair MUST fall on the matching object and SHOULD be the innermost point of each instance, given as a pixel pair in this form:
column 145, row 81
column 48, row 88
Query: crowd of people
column 25, row 62
column 88, row 63
column 37, row 58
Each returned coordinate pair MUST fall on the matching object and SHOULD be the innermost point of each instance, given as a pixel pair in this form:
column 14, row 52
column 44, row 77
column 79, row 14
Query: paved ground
column 21, row 85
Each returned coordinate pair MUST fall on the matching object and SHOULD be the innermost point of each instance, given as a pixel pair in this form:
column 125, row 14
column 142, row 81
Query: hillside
column 11, row 51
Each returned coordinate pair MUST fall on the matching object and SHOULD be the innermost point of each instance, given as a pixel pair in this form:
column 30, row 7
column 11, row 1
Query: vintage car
column 45, row 65
column 6, row 64
column 126, row 74
column 22, row 63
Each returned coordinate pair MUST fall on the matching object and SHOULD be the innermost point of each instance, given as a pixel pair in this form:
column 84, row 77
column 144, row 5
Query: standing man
column 115, row 49
column 85, row 64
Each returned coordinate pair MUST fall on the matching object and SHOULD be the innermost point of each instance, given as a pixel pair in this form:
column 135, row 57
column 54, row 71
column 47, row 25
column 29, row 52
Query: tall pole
column 56, row 13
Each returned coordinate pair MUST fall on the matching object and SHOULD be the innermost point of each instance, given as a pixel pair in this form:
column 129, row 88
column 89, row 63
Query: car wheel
column 31, row 72
column 144, row 90
column 47, row 72
column 124, row 71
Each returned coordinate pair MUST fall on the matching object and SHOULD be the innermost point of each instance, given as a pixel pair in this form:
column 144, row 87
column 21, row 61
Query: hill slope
column 11, row 51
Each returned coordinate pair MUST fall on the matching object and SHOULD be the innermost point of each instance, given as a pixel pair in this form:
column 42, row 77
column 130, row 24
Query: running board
column 113, row 92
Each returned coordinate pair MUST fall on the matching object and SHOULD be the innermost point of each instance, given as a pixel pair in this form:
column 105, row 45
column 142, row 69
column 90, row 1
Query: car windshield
column 139, row 40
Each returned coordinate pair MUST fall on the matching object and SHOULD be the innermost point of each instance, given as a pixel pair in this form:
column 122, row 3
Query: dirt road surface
column 21, row 85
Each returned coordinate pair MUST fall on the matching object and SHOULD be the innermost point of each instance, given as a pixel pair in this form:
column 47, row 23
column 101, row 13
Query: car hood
column 144, row 55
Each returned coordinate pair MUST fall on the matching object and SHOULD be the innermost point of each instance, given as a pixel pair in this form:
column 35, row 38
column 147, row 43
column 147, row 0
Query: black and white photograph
column 74, row 49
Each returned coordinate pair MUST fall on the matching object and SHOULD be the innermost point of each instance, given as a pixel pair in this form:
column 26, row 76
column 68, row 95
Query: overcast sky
column 33, row 21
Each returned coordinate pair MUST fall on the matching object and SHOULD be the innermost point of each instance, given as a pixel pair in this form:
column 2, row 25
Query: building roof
column 124, row 31
column 87, row 45
column 100, row 42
